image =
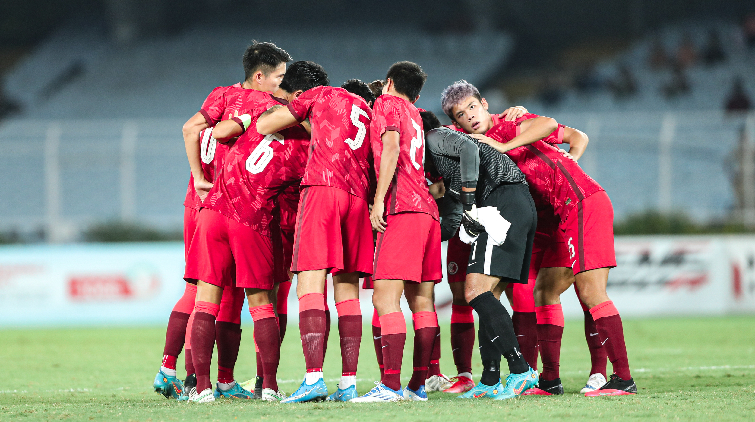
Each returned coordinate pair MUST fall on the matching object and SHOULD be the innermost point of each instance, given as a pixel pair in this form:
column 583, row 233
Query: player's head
column 355, row 86
column 406, row 78
column 376, row 87
column 265, row 65
column 463, row 103
column 301, row 76
column 429, row 121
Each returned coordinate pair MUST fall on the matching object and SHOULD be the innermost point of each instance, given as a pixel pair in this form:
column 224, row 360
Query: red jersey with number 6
column 555, row 180
column 408, row 190
column 339, row 151
column 224, row 102
column 257, row 169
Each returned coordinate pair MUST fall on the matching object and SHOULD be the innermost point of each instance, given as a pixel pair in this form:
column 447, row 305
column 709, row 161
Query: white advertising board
column 104, row 284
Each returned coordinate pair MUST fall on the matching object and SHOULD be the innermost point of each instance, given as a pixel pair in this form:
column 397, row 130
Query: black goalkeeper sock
column 500, row 328
column 491, row 358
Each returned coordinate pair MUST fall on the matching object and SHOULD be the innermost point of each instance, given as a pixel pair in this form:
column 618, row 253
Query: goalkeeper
column 487, row 199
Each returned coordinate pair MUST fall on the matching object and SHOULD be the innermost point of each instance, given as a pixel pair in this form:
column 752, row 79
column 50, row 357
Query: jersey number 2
column 261, row 156
column 361, row 128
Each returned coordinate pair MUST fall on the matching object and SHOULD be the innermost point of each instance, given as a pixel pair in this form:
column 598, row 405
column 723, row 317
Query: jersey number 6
column 261, row 156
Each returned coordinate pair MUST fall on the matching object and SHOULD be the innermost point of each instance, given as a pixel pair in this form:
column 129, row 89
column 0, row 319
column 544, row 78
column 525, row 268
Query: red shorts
column 221, row 246
column 279, row 253
column 333, row 231
column 457, row 259
column 287, row 240
column 588, row 231
column 190, row 226
column 409, row 249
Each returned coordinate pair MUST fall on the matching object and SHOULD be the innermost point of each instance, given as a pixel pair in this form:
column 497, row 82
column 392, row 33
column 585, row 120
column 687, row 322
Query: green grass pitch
column 685, row 368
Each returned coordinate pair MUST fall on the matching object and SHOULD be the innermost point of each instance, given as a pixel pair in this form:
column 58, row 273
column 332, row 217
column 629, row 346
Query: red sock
column 282, row 306
column 228, row 340
column 202, row 341
column 267, row 338
column 393, row 329
column 327, row 331
column 188, row 363
column 462, row 337
column 312, row 327
column 434, row 368
column 425, row 330
column 525, row 327
column 175, row 334
column 550, row 330
column 598, row 356
column 258, row 359
column 611, row 333
column 350, row 334
column 377, row 341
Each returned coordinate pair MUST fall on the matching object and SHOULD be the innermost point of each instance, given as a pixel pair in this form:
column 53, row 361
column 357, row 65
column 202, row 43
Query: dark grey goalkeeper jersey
column 459, row 158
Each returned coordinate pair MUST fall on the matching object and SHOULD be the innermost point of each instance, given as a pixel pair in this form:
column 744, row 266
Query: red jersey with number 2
column 408, row 191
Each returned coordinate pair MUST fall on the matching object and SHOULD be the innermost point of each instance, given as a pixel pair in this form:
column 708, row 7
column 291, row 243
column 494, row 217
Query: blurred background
column 93, row 94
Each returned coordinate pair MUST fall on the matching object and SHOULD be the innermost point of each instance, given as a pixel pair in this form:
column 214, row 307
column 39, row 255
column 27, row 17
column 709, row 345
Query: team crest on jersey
column 453, row 268
column 568, row 201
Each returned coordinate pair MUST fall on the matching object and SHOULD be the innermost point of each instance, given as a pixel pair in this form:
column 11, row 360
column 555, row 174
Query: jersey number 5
column 418, row 143
column 361, row 128
column 261, row 156
column 208, row 146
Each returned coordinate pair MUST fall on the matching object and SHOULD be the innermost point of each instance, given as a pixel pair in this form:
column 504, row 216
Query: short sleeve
column 213, row 106
column 503, row 132
column 302, row 105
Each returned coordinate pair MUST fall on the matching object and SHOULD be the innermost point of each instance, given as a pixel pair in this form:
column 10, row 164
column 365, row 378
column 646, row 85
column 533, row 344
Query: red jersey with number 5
column 408, row 191
column 555, row 180
column 339, row 151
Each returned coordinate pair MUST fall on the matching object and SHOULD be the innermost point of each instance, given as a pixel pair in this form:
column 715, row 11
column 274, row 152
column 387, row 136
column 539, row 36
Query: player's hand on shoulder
column 484, row 139
column 568, row 155
column 376, row 216
column 513, row 113
column 202, row 187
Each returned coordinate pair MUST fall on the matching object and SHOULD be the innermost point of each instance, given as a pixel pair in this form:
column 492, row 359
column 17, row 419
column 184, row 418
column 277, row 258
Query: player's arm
column 577, row 141
column 191, row 129
column 278, row 120
column 450, row 217
column 228, row 129
column 530, row 130
column 388, row 162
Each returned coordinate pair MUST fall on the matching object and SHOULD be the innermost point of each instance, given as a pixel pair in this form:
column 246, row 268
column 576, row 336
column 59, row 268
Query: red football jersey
column 408, row 191
column 339, row 151
column 555, row 181
column 256, row 170
column 289, row 207
column 223, row 103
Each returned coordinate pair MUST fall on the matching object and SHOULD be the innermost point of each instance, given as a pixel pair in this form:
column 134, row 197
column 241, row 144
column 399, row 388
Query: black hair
column 303, row 75
column 355, row 86
column 376, row 87
column 408, row 78
column 264, row 57
column 429, row 121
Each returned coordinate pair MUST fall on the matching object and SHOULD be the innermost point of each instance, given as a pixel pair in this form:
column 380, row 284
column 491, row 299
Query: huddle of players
column 244, row 228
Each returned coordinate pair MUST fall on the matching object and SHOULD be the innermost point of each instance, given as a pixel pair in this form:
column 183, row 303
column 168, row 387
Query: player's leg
column 211, row 261
column 266, row 336
column 589, row 230
column 228, row 341
column 551, row 282
column 425, row 321
column 346, row 295
column 598, row 356
column 203, row 338
column 166, row 381
column 462, row 317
